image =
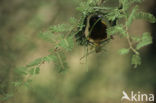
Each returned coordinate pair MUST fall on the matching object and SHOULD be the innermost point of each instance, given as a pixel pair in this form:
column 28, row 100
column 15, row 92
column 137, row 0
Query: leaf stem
column 61, row 63
column 130, row 43
column 131, row 46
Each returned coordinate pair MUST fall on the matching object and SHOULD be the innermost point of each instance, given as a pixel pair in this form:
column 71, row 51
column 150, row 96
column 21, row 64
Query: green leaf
column 93, row 2
column 136, row 60
column 123, row 51
column 84, row 8
column 60, row 62
column 17, row 83
column 49, row 58
column 146, row 16
column 32, row 71
column 116, row 29
column 59, row 28
column 125, row 3
column 135, row 38
column 114, row 14
column 73, row 21
column 47, row 36
column 35, row 62
column 37, row 70
column 145, row 40
column 131, row 16
column 67, row 43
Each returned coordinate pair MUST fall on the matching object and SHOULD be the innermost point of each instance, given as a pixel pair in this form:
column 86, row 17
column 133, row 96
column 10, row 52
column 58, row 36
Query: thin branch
column 131, row 46
column 130, row 43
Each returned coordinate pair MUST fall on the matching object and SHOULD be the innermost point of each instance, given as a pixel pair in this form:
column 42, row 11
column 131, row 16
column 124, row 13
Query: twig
column 130, row 43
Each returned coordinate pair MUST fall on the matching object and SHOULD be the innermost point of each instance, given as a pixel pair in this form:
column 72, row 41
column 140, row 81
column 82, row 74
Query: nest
column 94, row 30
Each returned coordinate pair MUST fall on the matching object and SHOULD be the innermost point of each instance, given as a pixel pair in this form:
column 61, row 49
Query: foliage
column 122, row 29
column 136, row 60
column 146, row 39
column 61, row 37
column 124, row 51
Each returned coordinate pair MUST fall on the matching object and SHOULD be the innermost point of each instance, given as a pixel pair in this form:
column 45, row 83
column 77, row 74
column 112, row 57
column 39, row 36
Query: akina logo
column 137, row 97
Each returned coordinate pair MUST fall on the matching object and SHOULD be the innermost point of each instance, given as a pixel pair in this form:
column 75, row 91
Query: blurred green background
column 108, row 75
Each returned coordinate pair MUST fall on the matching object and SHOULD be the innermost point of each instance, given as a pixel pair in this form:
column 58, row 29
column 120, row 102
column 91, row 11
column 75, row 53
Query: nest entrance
column 97, row 29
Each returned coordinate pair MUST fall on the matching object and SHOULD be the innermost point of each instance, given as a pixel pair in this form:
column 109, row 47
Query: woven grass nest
column 94, row 30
